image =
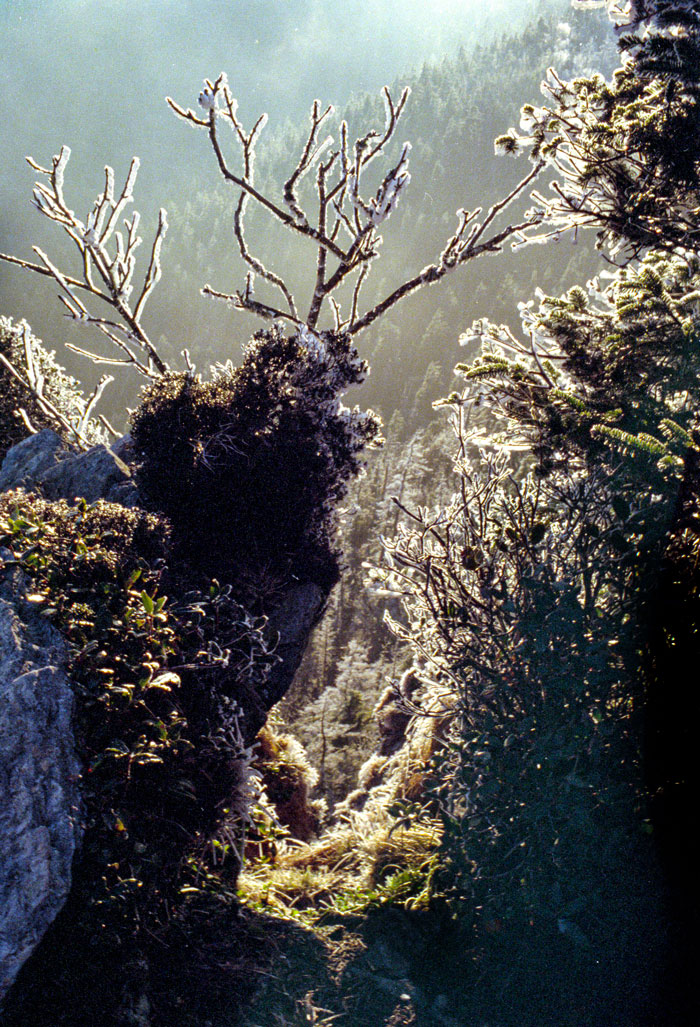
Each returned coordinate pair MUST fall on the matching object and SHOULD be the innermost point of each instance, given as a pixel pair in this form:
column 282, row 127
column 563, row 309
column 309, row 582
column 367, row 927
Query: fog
column 94, row 74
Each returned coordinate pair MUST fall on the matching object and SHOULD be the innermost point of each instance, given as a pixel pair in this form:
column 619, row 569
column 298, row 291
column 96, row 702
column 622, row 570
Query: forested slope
column 455, row 112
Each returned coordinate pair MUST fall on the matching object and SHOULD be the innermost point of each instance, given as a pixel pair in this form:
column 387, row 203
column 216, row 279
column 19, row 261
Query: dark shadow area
column 672, row 768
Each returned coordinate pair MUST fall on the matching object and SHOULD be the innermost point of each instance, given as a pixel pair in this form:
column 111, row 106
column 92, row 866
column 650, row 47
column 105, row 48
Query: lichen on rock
column 40, row 808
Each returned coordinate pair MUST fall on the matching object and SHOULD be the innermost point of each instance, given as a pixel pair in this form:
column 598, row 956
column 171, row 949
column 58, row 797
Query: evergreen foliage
column 536, row 593
column 624, row 150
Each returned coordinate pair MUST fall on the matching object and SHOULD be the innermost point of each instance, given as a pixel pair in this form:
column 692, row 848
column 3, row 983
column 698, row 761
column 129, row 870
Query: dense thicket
column 250, row 466
column 537, row 593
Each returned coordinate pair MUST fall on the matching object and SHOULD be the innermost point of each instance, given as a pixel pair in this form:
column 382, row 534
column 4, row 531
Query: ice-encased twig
column 114, row 272
column 310, row 154
column 47, row 406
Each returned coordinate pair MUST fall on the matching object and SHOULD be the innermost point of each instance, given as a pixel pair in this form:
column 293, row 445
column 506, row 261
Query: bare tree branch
column 457, row 251
column 113, row 270
column 219, row 87
column 38, row 269
column 46, row 405
column 344, row 208
column 358, row 214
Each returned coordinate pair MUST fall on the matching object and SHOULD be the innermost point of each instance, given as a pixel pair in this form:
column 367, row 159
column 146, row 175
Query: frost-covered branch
column 595, row 168
column 345, row 211
column 342, row 222
column 310, row 154
column 628, row 15
column 221, row 105
column 108, row 262
column 67, row 409
column 461, row 247
column 620, row 149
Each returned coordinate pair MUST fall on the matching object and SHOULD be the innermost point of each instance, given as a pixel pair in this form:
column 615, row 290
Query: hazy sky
column 94, row 73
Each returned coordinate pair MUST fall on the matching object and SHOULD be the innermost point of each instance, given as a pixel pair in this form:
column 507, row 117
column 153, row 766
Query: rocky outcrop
column 26, row 463
column 97, row 474
column 40, row 824
column 42, row 463
column 289, row 625
column 39, row 800
column 292, row 621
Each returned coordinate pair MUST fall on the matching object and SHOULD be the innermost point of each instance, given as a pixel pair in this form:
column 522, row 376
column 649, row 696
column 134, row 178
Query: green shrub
column 242, row 474
column 158, row 737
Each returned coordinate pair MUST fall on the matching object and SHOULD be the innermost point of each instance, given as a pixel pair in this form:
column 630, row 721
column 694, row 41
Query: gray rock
column 25, row 463
column 292, row 621
column 40, row 822
column 97, row 474
column 42, row 463
column 289, row 627
column 123, row 448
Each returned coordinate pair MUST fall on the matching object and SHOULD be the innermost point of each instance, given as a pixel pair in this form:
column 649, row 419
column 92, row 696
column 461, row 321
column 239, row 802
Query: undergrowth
column 158, row 911
column 158, row 733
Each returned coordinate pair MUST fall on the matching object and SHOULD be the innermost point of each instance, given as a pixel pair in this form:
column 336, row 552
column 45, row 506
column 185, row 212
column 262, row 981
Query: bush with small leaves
column 155, row 668
column 250, row 466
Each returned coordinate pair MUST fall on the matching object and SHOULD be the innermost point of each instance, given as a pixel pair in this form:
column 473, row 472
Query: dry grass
column 342, row 869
